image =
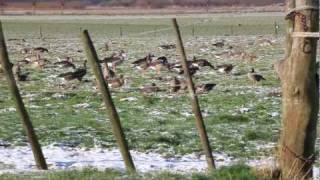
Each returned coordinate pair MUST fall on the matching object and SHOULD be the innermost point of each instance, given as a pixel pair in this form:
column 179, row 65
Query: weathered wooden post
column 40, row 32
column 27, row 125
column 194, row 100
column 276, row 28
column 34, row 5
column 2, row 6
column 106, row 96
column 120, row 31
column 300, row 99
column 193, row 31
column 62, row 5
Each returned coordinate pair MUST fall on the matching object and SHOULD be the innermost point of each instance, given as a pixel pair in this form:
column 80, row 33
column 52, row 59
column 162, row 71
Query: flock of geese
column 115, row 80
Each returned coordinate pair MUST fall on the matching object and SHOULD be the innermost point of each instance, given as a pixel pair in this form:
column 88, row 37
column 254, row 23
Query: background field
column 242, row 120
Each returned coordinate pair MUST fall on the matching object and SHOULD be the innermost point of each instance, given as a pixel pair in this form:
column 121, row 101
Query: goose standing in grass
column 116, row 82
column 176, row 85
column 159, row 64
column 225, row 68
column 107, row 72
column 150, row 89
column 167, row 46
column 115, row 59
column 65, row 63
column 143, row 63
column 77, row 74
column 204, row 88
column 38, row 50
column 201, row 63
column 255, row 77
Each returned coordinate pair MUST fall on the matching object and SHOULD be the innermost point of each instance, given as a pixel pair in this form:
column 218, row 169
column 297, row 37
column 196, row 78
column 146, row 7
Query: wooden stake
column 300, row 94
column 106, row 96
column 194, row 100
column 27, row 125
column 40, row 33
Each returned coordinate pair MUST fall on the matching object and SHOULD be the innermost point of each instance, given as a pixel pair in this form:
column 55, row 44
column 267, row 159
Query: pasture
column 243, row 120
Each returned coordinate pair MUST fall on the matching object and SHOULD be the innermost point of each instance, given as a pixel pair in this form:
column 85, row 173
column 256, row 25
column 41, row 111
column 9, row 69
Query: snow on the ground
column 20, row 159
column 61, row 158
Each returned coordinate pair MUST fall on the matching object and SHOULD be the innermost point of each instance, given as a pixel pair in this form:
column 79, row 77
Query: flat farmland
column 243, row 119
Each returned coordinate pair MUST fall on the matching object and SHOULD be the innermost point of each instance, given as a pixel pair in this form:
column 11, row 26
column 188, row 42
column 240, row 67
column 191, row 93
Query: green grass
column 235, row 172
column 158, row 122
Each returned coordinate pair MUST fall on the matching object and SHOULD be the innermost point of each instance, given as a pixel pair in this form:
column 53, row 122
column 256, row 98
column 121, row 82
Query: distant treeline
column 154, row 3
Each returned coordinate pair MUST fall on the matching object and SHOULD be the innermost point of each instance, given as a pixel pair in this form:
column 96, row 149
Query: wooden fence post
column 300, row 99
column 106, row 96
column 40, row 32
column 194, row 100
column 27, row 125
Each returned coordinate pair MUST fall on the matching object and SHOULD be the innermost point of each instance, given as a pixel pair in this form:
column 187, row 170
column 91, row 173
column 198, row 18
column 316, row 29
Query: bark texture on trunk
column 300, row 100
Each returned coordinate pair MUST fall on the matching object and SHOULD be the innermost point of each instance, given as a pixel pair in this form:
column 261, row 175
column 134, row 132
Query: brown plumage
column 40, row 50
column 65, row 63
column 254, row 77
column 225, row 68
column 150, row 89
column 204, row 88
column 159, row 64
column 107, row 72
column 201, row 63
column 167, row 46
column 114, row 60
column 116, row 82
column 176, row 85
column 143, row 63
column 77, row 74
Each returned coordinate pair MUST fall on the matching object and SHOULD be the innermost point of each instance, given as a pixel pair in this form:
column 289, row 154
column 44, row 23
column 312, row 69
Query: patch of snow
column 83, row 105
column 65, row 158
column 129, row 99
column 244, row 110
column 20, row 159
column 275, row 114
column 7, row 110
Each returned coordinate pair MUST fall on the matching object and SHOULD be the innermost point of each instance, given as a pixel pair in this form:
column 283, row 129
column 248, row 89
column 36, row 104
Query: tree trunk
column 300, row 100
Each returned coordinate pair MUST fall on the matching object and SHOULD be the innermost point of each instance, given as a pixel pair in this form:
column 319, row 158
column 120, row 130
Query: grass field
column 242, row 120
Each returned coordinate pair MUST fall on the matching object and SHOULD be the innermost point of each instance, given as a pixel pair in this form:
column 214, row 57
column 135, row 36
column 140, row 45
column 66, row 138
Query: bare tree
column 300, row 87
column 34, row 5
column 62, row 5
column 2, row 6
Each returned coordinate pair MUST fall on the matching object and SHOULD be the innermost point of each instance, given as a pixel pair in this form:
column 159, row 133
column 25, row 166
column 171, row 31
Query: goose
column 143, row 63
column 167, row 46
column 159, row 64
column 40, row 50
column 77, row 74
column 114, row 60
column 205, row 88
column 116, row 82
column 26, row 51
column 18, row 75
column 176, row 85
column 107, row 72
column 219, row 44
column 225, row 68
column 150, row 89
column 254, row 77
column 192, row 70
column 201, row 63
column 177, row 67
column 65, row 63
column 40, row 63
